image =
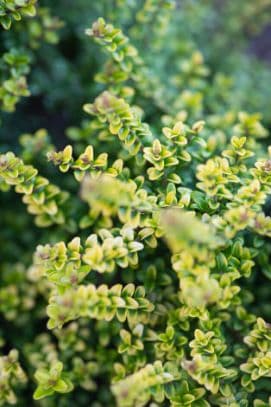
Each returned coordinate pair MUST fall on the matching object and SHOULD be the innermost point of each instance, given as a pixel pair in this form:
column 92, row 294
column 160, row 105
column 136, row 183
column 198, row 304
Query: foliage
column 14, row 9
column 138, row 273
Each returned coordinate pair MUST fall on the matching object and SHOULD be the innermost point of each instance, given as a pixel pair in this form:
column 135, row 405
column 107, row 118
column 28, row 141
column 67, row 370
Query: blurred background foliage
column 225, row 32
column 202, row 59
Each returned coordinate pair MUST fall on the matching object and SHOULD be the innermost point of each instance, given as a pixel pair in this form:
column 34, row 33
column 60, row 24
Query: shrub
column 135, row 267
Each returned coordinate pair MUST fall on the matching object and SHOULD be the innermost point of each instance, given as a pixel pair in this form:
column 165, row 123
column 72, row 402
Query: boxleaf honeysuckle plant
column 138, row 271
column 42, row 198
column 13, row 68
column 14, row 10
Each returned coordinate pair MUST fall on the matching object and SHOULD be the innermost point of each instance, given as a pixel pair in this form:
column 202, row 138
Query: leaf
column 41, row 392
